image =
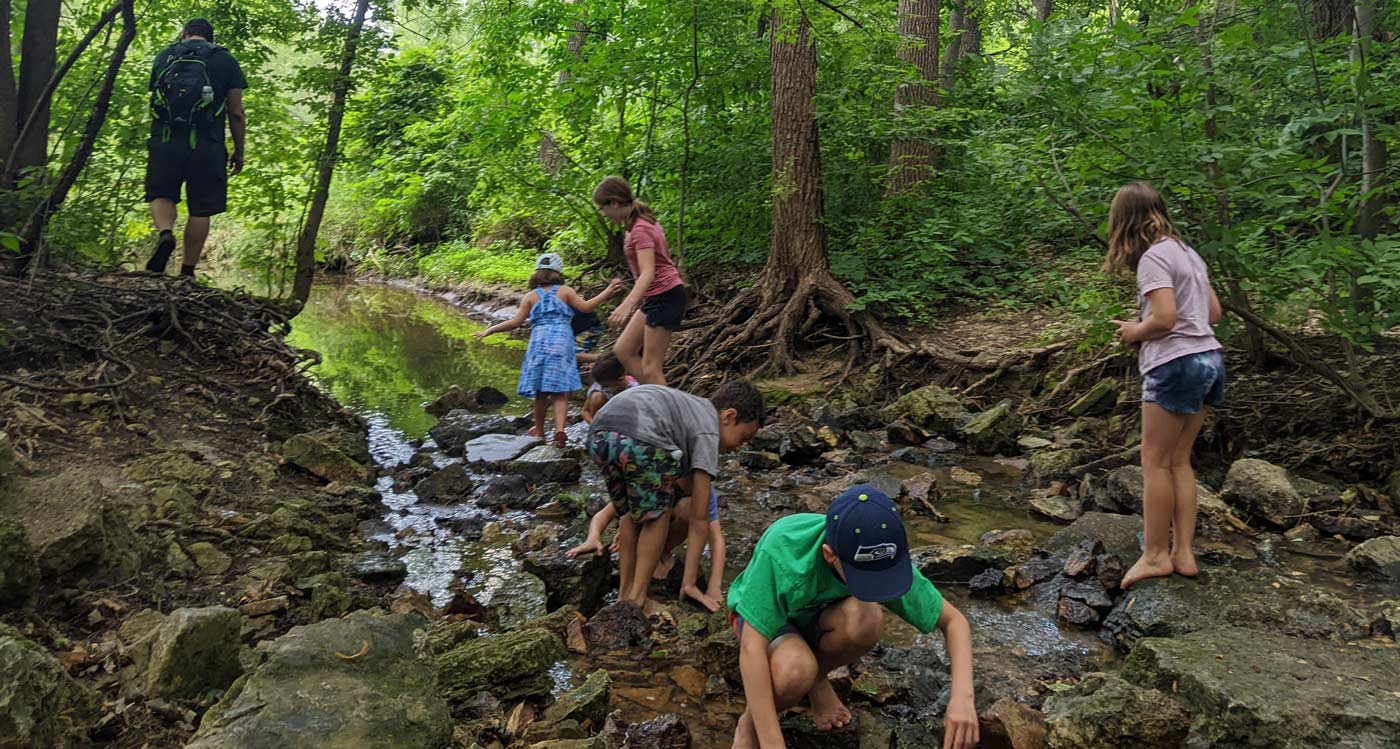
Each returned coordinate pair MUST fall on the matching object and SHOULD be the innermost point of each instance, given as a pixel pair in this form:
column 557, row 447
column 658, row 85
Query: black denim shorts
column 666, row 310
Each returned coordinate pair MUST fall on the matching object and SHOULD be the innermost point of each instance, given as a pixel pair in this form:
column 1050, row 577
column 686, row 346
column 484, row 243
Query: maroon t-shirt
column 647, row 234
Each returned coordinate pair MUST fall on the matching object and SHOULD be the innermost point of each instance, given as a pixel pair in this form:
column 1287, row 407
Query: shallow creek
column 387, row 350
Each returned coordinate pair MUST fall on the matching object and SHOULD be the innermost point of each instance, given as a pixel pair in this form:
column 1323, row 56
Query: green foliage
column 454, row 261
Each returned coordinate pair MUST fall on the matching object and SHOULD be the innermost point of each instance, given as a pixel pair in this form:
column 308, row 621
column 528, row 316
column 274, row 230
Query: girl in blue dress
column 550, row 371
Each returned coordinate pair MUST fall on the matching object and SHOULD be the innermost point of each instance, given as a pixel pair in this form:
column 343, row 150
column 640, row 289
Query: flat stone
column 1248, row 687
column 1378, row 556
column 1117, row 533
column 491, row 448
column 347, row 682
column 544, row 464
column 1055, row 462
column 663, row 732
column 1010, row 725
column 589, row 704
column 447, row 484
column 1019, row 541
column 509, row 666
column 459, row 427
column 618, row 626
column 318, row 455
column 1103, row 711
column 959, row 564
column 379, row 568
column 1101, row 397
column 208, row 558
column 994, row 430
column 931, row 407
column 1057, row 508
column 759, row 460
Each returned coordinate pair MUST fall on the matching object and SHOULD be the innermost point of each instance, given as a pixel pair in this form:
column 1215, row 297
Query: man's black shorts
column 203, row 170
column 666, row 310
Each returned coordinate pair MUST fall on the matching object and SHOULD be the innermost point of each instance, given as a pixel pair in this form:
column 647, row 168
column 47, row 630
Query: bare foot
column 652, row 608
column 1145, row 568
column 716, row 595
column 1185, row 563
column 663, row 568
column 693, row 592
column 827, row 711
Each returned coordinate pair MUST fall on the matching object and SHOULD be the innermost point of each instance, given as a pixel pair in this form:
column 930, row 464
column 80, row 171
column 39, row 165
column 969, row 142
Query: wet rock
column 511, row 597
column 19, row 571
column 319, row 454
column 1008, row 724
column 801, row 733
column 589, row 704
column 1379, row 556
column 931, row 407
column 582, row 582
column 988, row 582
column 1088, row 594
column 903, row 432
column 379, row 568
column 1246, row 687
column 509, row 666
column 994, row 430
column 40, row 705
column 1083, row 558
column 618, row 626
column 455, row 398
column 663, row 732
column 959, row 564
column 801, row 446
column 342, row 682
column 1055, row 462
column 1385, row 620
column 1103, row 396
column 1264, row 490
column 459, row 427
column 777, row 501
column 449, row 484
column 193, row 651
column 498, row 492
column 759, row 460
column 495, row 448
column 1174, row 606
column 1076, row 614
column 1110, row 570
column 1035, row 570
column 1117, row 533
column 544, row 464
column 1104, row 712
column 1059, row 508
column 1019, row 541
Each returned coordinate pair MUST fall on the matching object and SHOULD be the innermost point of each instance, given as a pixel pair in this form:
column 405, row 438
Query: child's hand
column 960, row 723
column 614, row 286
column 480, row 334
column 1126, row 330
column 619, row 316
column 591, row 545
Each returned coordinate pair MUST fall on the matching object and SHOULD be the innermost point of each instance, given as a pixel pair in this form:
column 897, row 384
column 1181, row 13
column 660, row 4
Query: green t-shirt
column 788, row 580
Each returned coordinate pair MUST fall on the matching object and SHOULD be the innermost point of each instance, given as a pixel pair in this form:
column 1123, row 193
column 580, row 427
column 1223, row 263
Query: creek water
column 386, row 350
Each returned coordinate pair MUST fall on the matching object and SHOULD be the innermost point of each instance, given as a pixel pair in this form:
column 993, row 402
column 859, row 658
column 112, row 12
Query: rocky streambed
column 353, row 583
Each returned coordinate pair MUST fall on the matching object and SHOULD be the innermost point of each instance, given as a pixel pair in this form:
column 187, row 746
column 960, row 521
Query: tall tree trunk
column 1373, row 149
column 911, row 161
column 306, row 242
column 551, row 156
column 1043, row 9
column 965, row 23
column 34, row 227
column 38, row 55
column 9, row 95
column 1331, row 17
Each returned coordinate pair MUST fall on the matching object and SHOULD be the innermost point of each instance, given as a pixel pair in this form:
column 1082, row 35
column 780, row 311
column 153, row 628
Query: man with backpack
column 195, row 87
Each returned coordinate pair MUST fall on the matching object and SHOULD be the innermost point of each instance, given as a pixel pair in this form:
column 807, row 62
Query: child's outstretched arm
column 596, row 526
column 756, row 672
column 960, row 722
column 715, row 586
column 591, row 404
column 580, row 304
column 699, row 522
column 521, row 315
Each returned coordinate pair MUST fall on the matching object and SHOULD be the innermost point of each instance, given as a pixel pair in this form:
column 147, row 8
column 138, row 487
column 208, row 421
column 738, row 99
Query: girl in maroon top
column 656, row 305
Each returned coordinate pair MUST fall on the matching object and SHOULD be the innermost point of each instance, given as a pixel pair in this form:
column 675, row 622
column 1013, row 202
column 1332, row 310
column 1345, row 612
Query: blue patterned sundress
column 550, row 365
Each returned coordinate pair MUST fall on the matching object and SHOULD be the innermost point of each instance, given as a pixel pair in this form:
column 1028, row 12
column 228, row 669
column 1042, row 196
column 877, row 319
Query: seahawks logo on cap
column 874, row 553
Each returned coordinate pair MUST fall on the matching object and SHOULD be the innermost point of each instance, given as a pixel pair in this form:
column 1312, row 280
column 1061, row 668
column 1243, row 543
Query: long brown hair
column 616, row 190
column 1137, row 218
column 546, row 277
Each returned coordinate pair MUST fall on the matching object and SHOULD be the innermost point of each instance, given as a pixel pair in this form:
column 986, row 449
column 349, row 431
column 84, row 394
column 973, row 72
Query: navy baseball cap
column 864, row 529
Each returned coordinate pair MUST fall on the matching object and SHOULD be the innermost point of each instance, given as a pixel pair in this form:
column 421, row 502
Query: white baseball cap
column 550, row 261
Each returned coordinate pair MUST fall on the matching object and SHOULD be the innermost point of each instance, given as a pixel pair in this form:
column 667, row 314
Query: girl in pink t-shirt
column 656, row 306
column 1183, row 374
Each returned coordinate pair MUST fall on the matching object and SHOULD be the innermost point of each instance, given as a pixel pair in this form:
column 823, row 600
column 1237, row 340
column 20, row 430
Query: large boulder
column 1117, row 533
column 494, row 448
column 459, row 427
column 1260, row 688
column 959, row 564
column 1174, row 606
column 1380, row 556
column 40, row 705
column 543, row 464
column 931, row 407
column 67, row 520
column 19, row 572
column 447, row 484
column 582, row 581
column 1264, row 490
column 994, row 430
column 323, row 454
column 1121, row 491
column 509, row 666
column 354, row 681
column 193, row 651
column 1104, row 712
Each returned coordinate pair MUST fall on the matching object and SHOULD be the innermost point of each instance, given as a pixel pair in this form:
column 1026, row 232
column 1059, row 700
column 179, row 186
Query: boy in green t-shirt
column 809, row 602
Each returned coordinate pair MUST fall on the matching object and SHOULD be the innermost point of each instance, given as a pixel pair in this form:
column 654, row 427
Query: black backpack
column 183, row 95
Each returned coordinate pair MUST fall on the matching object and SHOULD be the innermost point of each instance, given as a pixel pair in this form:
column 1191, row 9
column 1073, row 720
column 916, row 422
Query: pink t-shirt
column 647, row 234
column 1171, row 264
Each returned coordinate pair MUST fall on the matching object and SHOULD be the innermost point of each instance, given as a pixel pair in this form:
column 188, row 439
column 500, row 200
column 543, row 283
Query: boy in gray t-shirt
column 654, row 445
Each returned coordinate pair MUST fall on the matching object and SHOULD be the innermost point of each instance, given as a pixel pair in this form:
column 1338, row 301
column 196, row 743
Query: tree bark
column 911, row 161
column 306, row 242
column 38, row 54
column 798, row 243
column 1043, row 9
column 34, row 227
column 9, row 96
column 1331, row 17
column 1369, row 218
column 965, row 22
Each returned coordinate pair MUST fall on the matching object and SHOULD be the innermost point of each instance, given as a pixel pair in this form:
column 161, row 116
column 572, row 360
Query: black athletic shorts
column 666, row 310
column 203, row 170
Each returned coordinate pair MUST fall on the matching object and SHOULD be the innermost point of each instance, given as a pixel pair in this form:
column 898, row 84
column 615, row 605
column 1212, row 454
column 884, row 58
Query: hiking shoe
column 164, row 247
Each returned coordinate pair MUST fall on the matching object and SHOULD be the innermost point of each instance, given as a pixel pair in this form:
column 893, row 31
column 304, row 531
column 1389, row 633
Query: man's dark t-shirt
column 224, row 74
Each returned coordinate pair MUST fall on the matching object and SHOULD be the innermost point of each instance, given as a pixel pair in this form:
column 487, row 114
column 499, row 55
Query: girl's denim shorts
column 1187, row 383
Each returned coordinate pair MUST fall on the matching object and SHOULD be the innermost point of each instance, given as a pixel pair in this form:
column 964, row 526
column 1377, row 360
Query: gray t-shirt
column 684, row 424
column 1170, row 264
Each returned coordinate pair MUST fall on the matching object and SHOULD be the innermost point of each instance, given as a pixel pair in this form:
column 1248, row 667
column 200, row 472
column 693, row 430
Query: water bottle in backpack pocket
column 183, row 95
